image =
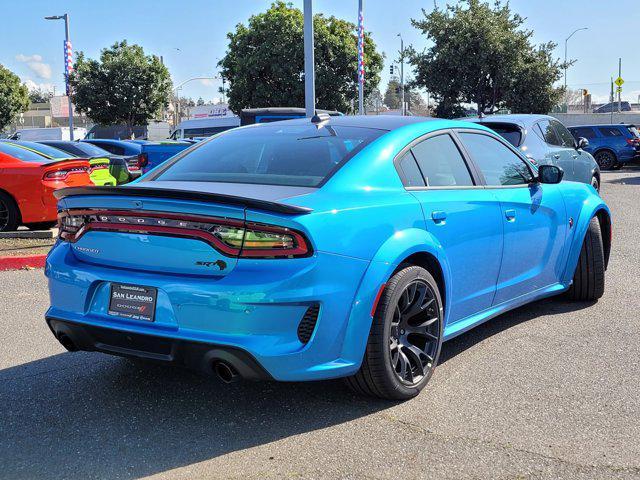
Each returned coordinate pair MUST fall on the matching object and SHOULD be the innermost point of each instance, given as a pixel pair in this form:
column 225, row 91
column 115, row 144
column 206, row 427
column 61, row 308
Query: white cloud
column 28, row 58
column 36, row 65
column 206, row 82
column 45, row 87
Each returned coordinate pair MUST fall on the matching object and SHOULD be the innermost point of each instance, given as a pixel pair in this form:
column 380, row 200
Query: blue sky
column 191, row 34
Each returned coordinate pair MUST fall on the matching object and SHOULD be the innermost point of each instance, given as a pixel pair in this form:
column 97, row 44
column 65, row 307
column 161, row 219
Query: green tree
column 124, row 87
column 264, row 64
column 482, row 55
column 14, row 97
column 38, row 96
column 413, row 99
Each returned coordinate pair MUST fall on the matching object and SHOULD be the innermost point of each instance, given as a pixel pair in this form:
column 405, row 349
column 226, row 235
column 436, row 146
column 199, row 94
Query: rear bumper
column 197, row 356
column 256, row 309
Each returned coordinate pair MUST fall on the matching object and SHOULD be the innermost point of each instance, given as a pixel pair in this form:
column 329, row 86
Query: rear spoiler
column 182, row 195
column 66, row 161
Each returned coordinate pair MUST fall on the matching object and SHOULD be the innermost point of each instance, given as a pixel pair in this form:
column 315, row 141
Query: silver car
column 546, row 141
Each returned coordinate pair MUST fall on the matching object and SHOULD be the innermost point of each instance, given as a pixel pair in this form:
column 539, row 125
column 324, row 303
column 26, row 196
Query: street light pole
column 309, row 61
column 180, row 85
column 67, row 47
column 360, row 58
column 402, row 110
column 566, row 97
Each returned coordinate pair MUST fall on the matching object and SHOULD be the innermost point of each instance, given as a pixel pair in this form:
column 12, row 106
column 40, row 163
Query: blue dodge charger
column 320, row 248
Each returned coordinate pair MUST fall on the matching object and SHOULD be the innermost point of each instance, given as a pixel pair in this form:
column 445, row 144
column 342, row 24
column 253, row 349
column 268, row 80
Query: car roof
column 625, row 125
column 381, row 122
column 521, row 119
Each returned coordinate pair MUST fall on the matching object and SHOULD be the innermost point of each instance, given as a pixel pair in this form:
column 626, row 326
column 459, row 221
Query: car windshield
column 274, row 154
column 22, row 153
column 46, row 150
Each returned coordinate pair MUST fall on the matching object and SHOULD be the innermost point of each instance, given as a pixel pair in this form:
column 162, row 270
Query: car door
column 533, row 217
column 463, row 217
column 557, row 154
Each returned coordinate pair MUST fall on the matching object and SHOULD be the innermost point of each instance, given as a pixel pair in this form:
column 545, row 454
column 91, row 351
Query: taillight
column 56, row 175
column 633, row 141
column 231, row 237
column 143, row 160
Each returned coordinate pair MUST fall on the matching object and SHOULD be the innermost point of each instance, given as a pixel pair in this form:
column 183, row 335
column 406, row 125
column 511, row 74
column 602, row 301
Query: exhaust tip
column 67, row 342
column 226, row 372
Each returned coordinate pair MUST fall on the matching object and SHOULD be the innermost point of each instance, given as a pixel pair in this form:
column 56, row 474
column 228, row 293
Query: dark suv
column 611, row 145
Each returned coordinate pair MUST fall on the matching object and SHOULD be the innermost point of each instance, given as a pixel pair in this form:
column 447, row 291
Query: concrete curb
column 22, row 262
column 30, row 234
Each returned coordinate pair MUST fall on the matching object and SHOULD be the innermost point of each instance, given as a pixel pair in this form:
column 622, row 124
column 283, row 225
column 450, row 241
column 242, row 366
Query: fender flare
column 592, row 207
column 389, row 256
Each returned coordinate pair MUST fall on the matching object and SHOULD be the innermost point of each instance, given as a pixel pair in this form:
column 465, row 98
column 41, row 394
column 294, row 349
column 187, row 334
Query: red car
column 27, row 182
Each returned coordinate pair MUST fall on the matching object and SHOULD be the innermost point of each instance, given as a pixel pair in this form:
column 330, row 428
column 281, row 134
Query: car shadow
column 88, row 415
column 496, row 325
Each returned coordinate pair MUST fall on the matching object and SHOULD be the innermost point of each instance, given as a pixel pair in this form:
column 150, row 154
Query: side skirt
column 465, row 324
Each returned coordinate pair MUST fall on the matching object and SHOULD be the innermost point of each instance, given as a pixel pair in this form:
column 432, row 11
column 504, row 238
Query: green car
column 99, row 172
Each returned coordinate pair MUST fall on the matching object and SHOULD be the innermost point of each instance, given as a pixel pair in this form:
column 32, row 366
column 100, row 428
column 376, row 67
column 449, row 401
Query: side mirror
column 582, row 143
column 550, row 174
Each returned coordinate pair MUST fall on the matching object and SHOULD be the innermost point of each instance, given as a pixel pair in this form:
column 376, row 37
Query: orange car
column 27, row 182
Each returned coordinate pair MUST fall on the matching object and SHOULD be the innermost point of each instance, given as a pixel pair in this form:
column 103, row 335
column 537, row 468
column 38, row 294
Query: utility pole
column 309, row 62
column 619, row 87
column 68, row 65
column 402, row 109
column 360, row 57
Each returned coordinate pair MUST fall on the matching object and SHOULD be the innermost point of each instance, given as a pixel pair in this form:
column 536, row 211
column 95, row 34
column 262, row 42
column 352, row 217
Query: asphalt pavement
column 551, row 390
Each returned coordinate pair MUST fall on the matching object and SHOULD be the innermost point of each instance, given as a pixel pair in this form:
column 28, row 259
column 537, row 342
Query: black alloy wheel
column 415, row 333
column 404, row 342
column 605, row 159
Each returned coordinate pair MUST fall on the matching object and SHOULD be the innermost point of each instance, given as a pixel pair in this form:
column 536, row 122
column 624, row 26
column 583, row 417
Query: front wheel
column 405, row 338
column 588, row 278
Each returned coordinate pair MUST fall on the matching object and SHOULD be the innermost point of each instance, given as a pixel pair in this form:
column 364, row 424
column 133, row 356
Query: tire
column 9, row 213
column 588, row 279
column 606, row 159
column 403, row 374
column 41, row 225
column 595, row 183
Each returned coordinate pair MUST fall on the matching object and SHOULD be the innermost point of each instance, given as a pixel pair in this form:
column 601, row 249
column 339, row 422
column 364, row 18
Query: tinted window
column 610, row 131
column 585, row 132
column 441, row 163
column 22, row 153
column 565, row 136
column 511, row 133
column 410, row 171
column 498, row 164
column 115, row 149
column 633, row 130
column 548, row 133
column 285, row 154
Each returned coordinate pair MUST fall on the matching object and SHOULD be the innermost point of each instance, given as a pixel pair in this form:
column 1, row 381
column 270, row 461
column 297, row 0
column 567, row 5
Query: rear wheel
column 605, row 159
column 9, row 214
column 588, row 279
column 405, row 338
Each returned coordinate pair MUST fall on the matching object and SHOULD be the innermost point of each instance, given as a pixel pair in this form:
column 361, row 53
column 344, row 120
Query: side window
column 565, row 137
column 610, row 131
column 441, row 162
column 499, row 164
column 585, row 132
column 548, row 133
column 410, row 171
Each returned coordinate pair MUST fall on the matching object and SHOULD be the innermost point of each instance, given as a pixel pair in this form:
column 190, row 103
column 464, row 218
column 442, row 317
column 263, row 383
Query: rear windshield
column 22, row 153
column 273, row 154
column 634, row 131
column 511, row 133
column 46, row 150
column 87, row 149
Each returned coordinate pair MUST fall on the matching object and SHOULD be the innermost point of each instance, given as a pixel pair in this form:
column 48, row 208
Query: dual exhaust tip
column 223, row 370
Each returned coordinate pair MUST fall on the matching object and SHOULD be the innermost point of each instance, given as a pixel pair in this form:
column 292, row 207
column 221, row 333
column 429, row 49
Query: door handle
column 510, row 215
column 438, row 216
column 556, row 156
